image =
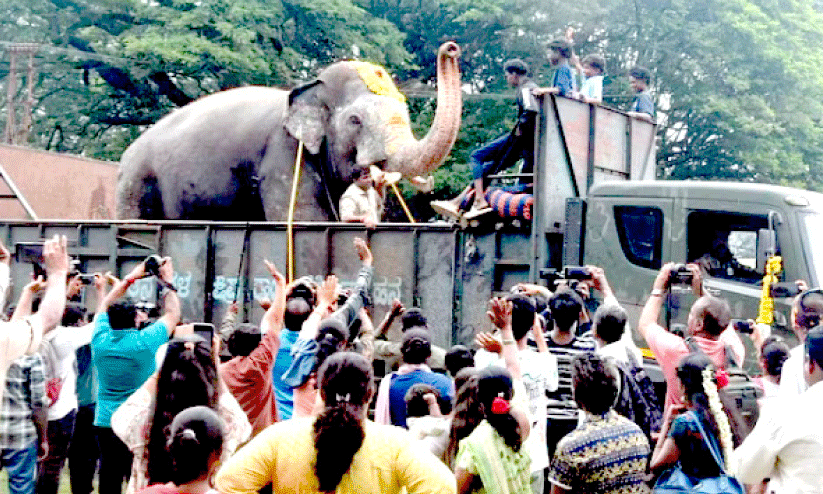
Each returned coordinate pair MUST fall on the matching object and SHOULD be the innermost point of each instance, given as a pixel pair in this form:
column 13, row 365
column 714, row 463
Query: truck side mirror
column 766, row 246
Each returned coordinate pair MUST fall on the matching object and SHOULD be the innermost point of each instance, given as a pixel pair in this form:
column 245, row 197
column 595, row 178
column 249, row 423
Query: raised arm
column 500, row 314
column 120, row 287
column 366, row 335
column 56, row 261
column 326, row 297
column 24, row 303
column 273, row 318
column 351, row 309
column 396, row 311
column 651, row 311
column 600, row 282
column 171, row 304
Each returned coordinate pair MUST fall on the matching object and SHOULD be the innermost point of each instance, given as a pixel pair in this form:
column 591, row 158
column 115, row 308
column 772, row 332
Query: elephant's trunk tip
column 449, row 49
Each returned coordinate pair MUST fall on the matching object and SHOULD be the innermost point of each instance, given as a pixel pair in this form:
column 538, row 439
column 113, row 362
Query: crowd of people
column 553, row 399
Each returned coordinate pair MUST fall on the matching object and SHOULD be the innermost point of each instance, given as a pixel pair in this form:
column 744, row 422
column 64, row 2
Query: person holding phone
column 124, row 358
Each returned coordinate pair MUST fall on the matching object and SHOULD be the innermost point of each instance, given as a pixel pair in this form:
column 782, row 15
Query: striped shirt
column 561, row 405
column 25, row 391
column 605, row 454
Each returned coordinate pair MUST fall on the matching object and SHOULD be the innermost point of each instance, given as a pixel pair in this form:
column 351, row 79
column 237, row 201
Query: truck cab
column 634, row 228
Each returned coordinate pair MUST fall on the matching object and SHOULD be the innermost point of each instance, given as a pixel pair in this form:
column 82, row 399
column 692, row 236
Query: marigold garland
column 378, row 80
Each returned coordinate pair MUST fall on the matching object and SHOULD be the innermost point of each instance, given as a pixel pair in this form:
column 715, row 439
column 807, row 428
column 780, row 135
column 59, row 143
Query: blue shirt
column 124, row 359
column 401, row 383
column 86, row 377
column 643, row 103
column 564, row 80
column 282, row 391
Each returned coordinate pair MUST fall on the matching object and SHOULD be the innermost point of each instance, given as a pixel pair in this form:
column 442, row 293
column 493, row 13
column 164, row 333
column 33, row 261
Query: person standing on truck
column 506, row 150
column 786, row 444
column 708, row 328
column 563, row 83
column 642, row 107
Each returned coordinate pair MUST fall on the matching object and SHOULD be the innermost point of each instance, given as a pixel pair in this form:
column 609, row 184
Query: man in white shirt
column 58, row 348
column 807, row 311
column 786, row 444
column 363, row 200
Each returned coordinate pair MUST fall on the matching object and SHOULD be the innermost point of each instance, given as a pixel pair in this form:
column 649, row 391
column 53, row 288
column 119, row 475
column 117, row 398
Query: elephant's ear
column 307, row 115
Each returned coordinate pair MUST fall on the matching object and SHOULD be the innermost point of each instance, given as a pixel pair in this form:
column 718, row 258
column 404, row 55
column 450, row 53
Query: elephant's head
column 364, row 119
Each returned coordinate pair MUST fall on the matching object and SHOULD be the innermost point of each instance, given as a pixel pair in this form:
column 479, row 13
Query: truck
column 596, row 201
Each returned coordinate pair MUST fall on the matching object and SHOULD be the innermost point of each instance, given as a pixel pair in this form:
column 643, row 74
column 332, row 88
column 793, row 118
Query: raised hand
column 363, row 251
column 277, row 275
column 55, row 255
column 328, row 292
column 500, row 312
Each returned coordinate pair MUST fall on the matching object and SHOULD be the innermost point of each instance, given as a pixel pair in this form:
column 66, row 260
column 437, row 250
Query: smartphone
column 784, row 289
column 31, row 252
column 742, row 326
column 204, row 330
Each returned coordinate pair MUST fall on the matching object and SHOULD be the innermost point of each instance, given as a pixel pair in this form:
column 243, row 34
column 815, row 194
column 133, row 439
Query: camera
column 152, row 265
column 85, row 279
column 786, row 289
column 680, row 274
column 576, row 273
column 743, row 326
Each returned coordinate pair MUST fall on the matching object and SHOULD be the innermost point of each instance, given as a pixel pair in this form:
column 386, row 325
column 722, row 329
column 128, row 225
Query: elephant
column 231, row 155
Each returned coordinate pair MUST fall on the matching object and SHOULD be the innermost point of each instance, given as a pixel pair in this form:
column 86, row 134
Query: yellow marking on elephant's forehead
column 377, row 80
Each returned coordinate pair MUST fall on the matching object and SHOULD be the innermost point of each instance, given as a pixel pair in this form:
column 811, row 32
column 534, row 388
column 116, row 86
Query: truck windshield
column 814, row 235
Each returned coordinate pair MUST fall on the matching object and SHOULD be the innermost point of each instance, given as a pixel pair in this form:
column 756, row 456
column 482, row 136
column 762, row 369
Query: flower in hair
column 722, row 378
column 500, row 406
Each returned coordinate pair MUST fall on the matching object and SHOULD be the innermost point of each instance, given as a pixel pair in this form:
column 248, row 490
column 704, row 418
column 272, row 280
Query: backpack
column 637, row 400
column 740, row 388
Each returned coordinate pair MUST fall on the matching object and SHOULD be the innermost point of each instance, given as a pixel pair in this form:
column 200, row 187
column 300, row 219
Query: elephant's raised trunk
column 417, row 158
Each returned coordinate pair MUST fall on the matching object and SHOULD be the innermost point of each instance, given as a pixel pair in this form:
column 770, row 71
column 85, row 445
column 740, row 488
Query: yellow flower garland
column 378, row 80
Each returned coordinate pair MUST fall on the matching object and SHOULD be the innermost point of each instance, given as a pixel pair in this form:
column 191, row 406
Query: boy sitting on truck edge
column 643, row 107
column 506, row 150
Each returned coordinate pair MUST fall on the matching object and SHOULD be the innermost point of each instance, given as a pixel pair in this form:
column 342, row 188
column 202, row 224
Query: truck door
column 626, row 236
column 724, row 245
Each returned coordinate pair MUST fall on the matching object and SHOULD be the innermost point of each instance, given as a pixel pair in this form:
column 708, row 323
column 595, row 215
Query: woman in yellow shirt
column 339, row 450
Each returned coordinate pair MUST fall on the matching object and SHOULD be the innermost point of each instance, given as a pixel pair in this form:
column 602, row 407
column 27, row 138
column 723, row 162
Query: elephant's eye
column 354, row 120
